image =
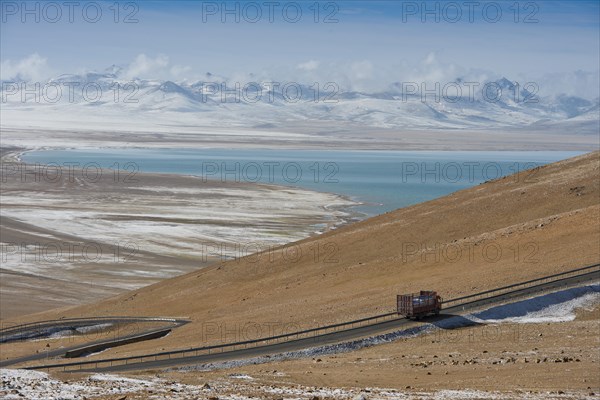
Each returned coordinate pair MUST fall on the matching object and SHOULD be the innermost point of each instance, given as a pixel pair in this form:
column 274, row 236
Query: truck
column 418, row 305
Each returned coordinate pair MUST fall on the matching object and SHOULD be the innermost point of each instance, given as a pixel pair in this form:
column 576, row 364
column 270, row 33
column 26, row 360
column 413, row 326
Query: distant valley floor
column 68, row 241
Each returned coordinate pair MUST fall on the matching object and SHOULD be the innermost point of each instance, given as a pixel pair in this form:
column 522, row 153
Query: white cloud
column 144, row 66
column 579, row 83
column 309, row 65
column 159, row 67
column 357, row 75
column 180, row 72
column 430, row 59
column 33, row 68
column 362, row 70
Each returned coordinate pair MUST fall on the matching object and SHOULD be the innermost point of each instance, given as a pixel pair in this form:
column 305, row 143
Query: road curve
column 317, row 340
column 36, row 330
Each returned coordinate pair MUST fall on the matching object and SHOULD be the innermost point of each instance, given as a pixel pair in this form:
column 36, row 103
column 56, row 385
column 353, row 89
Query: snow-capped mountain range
column 219, row 101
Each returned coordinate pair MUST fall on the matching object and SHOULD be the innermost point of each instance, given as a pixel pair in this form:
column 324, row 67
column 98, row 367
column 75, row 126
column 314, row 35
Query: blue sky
column 555, row 43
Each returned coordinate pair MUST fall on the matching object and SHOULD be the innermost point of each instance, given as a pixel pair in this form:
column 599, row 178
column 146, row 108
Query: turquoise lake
column 381, row 180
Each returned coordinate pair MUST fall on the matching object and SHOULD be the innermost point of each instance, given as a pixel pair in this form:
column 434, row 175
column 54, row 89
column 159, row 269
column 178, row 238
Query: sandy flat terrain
column 72, row 239
column 311, row 135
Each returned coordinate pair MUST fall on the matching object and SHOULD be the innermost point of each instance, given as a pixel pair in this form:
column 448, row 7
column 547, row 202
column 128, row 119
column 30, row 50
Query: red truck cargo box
column 419, row 304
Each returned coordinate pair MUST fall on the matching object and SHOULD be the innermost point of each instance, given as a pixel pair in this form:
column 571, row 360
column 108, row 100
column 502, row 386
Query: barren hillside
column 508, row 230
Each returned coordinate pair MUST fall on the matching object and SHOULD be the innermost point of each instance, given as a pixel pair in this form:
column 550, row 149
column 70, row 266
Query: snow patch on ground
column 553, row 307
column 478, row 394
column 48, row 333
column 241, row 376
column 33, row 385
column 114, row 378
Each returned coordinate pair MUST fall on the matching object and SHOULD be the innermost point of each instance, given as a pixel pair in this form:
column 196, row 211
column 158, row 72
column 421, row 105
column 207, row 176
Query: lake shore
column 69, row 240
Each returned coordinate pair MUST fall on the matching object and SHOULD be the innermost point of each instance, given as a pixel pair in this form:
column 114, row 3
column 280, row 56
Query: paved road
column 37, row 330
column 333, row 337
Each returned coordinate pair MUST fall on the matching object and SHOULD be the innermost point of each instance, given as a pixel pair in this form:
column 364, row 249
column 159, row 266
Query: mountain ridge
column 492, row 104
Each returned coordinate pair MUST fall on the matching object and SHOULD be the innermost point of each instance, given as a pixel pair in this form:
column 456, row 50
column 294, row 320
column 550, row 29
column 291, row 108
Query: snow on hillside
column 107, row 100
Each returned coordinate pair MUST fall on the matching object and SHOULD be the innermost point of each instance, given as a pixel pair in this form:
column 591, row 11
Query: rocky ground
column 39, row 386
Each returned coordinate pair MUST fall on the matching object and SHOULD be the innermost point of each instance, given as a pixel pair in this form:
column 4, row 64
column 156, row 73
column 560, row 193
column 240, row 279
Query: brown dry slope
column 508, row 230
